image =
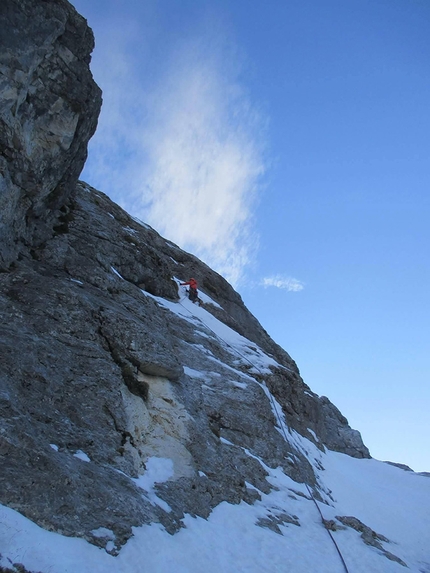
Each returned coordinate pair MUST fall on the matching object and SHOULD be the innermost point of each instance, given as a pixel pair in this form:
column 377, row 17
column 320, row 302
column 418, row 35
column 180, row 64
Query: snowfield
column 393, row 502
column 282, row 532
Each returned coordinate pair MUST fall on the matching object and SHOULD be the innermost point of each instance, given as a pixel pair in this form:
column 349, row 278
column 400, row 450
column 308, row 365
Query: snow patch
column 312, row 433
column 81, row 456
column 195, row 373
column 158, row 470
column 103, row 532
column 141, row 223
column 117, row 273
column 208, row 300
column 130, row 231
column 203, row 334
column 241, row 385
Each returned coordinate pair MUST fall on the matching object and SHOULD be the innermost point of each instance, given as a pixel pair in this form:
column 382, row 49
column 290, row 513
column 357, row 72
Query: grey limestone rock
column 370, row 537
column 273, row 520
column 16, row 568
column 49, row 105
column 400, row 466
column 92, row 362
column 313, row 416
column 335, row 432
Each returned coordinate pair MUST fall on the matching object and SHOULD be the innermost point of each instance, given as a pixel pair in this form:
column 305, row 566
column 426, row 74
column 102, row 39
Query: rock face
column 102, row 366
column 92, row 362
column 49, row 106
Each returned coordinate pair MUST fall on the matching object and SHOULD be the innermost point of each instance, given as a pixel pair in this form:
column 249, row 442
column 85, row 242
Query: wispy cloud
column 186, row 152
column 288, row 283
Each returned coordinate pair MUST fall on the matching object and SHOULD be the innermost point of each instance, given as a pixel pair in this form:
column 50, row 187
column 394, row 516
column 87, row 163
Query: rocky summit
column 122, row 403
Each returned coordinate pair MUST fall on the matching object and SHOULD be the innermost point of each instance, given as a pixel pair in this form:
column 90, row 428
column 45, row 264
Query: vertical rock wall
column 49, row 105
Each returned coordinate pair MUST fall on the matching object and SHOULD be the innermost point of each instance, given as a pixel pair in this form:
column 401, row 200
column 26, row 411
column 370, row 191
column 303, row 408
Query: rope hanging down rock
column 281, row 425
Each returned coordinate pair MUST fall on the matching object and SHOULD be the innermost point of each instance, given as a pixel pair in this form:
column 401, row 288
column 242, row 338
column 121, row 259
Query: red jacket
column 192, row 283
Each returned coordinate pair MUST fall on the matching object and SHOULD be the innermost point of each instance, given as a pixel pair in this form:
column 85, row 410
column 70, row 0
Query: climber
column 192, row 291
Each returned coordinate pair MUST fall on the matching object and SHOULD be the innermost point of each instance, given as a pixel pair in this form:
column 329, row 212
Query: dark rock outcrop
column 49, row 105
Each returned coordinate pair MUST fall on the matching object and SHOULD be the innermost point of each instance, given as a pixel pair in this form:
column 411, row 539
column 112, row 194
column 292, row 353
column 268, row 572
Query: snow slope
column 391, row 501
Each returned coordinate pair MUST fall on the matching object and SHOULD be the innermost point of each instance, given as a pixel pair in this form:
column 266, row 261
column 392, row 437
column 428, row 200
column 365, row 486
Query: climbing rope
column 281, row 425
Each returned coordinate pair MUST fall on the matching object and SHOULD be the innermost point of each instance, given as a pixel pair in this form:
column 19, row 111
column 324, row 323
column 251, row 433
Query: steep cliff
column 122, row 403
column 49, row 106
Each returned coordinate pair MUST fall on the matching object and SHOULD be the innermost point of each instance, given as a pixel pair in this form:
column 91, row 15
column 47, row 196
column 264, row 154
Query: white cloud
column 185, row 151
column 205, row 164
column 288, row 283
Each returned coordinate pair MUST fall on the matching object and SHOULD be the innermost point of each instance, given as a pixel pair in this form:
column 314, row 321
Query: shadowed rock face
column 91, row 358
column 49, row 105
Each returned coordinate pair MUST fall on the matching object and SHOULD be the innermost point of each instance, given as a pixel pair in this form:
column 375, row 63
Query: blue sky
column 287, row 143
